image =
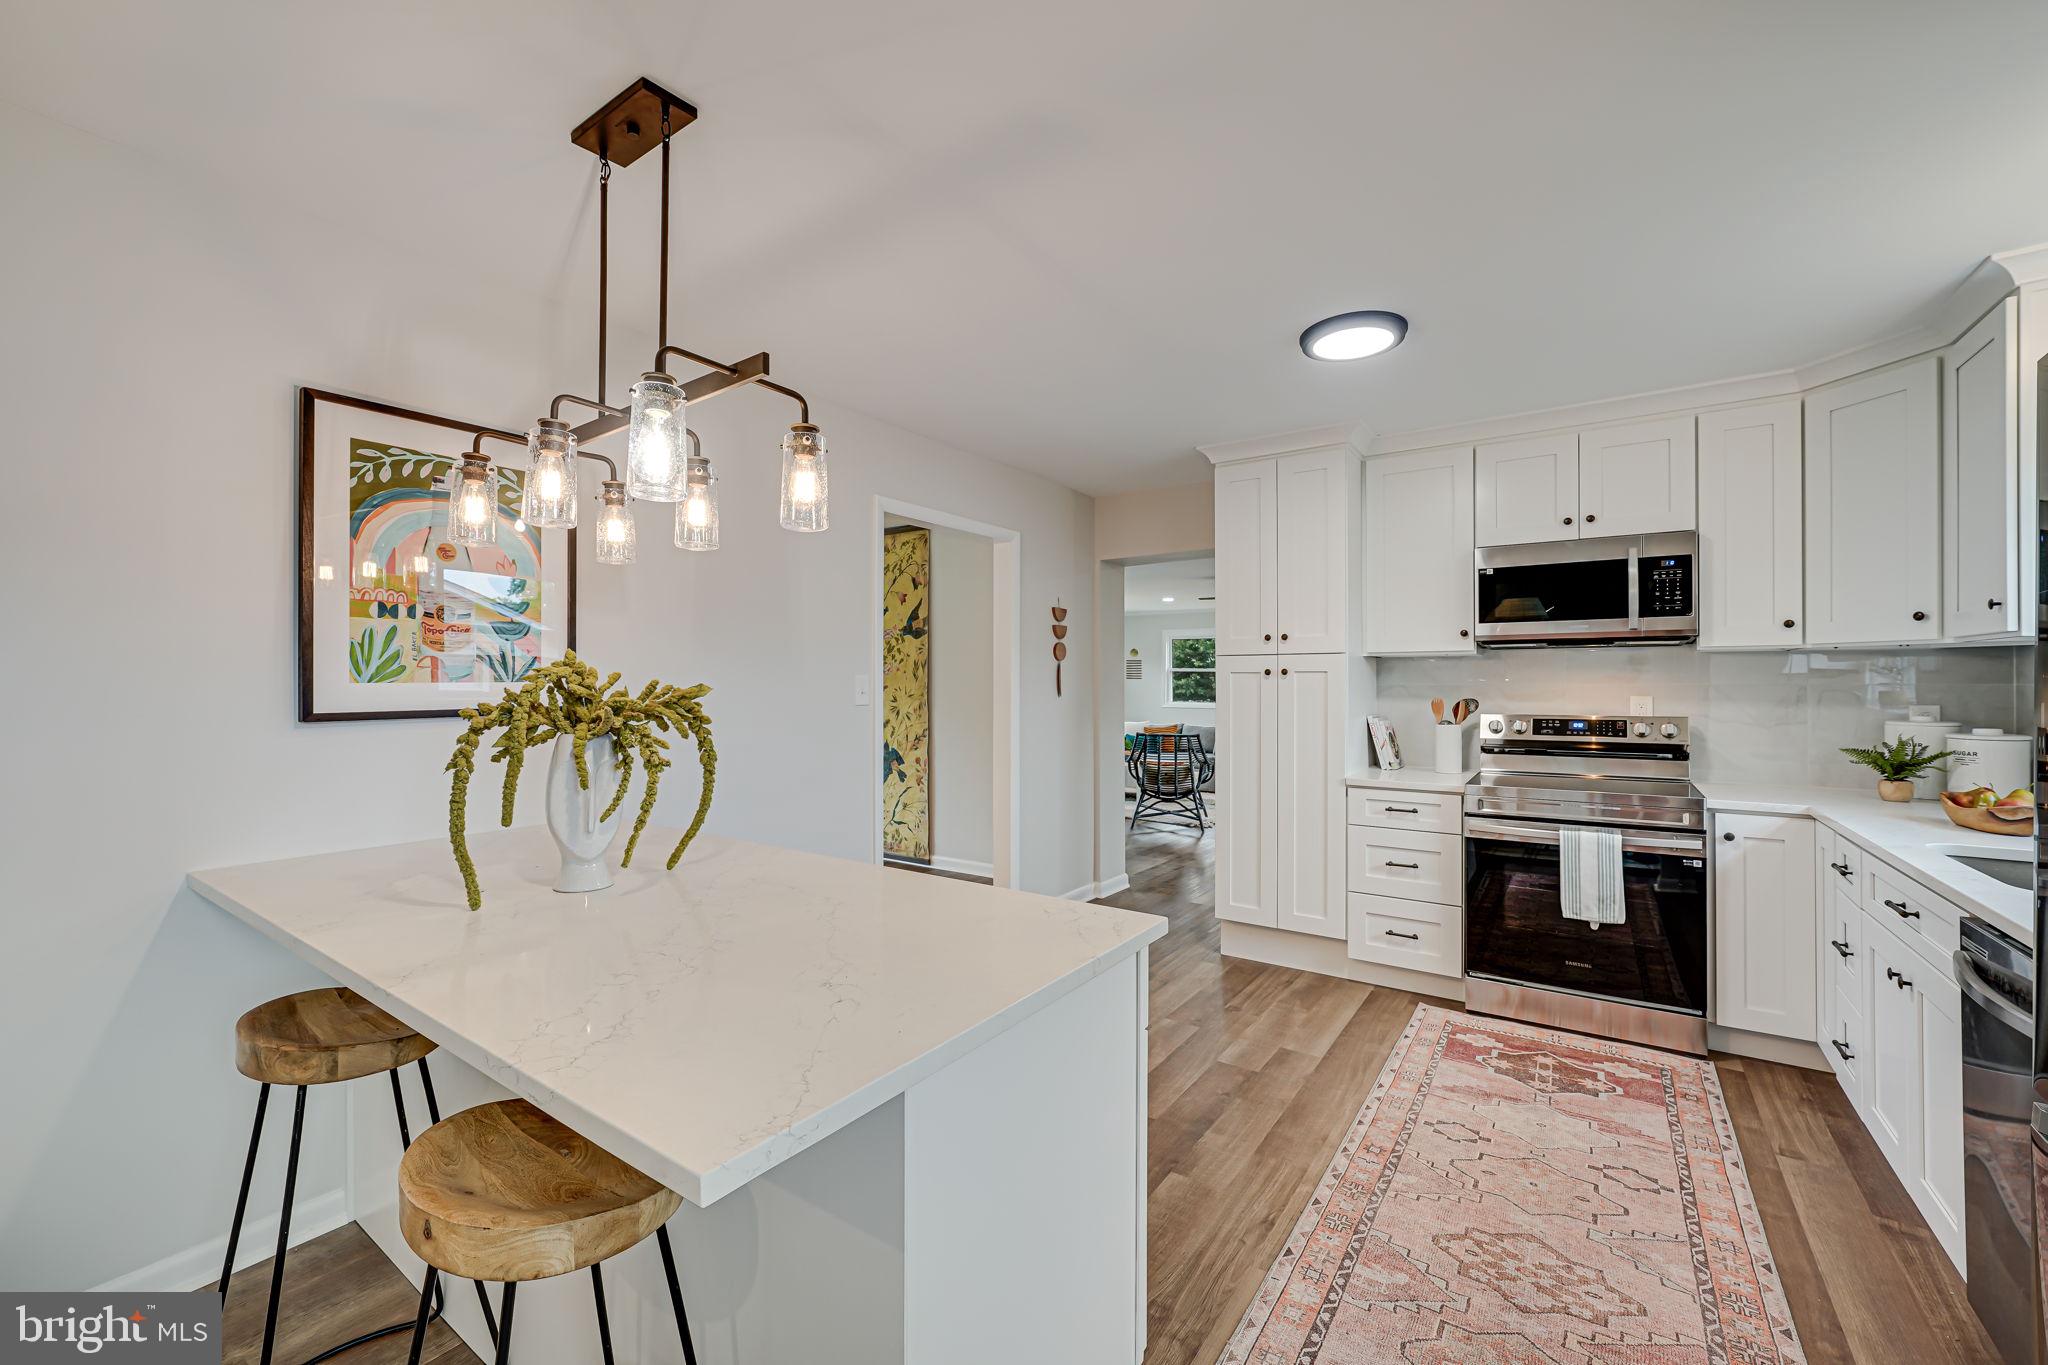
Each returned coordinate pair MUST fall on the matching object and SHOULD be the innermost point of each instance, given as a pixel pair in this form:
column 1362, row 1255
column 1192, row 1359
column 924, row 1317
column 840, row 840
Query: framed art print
column 394, row 619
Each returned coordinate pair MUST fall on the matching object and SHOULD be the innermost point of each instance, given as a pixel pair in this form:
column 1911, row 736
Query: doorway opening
column 946, row 680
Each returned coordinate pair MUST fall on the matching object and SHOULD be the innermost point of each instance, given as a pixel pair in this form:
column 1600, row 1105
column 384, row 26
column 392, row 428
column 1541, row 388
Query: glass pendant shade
column 697, row 513
column 803, row 479
column 550, row 499
column 656, row 439
column 472, row 503
column 617, row 539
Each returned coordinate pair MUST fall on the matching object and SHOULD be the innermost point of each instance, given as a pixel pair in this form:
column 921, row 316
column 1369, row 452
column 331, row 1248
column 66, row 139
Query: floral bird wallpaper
column 907, row 694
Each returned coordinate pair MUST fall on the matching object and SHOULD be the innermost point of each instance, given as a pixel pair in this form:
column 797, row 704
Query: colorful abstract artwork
column 907, row 694
column 396, row 619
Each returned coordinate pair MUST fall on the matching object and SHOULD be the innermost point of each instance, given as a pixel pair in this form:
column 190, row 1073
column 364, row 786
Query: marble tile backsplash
column 1755, row 717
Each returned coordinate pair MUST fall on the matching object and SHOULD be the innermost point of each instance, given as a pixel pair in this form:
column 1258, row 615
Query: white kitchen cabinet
column 1980, row 479
column 1752, row 527
column 1247, row 790
column 1873, row 507
column 1637, row 479
column 1247, row 564
column 1939, row 1176
column 1526, row 490
column 1310, row 780
column 1418, row 553
column 1891, row 1076
column 1286, row 554
column 1764, row 930
column 1317, row 597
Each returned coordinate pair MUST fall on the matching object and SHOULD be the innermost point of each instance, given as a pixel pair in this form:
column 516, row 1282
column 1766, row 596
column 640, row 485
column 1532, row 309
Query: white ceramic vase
column 573, row 812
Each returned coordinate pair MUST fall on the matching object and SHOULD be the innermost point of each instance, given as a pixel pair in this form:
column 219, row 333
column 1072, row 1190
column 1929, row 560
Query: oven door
column 1516, row 932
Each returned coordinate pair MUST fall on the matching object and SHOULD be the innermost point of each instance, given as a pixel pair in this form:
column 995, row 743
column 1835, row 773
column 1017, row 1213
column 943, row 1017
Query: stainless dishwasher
column 1996, row 974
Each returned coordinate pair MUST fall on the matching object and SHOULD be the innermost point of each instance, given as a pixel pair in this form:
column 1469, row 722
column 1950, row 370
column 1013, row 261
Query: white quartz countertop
column 704, row 1024
column 1906, row 834
column 1409, row 779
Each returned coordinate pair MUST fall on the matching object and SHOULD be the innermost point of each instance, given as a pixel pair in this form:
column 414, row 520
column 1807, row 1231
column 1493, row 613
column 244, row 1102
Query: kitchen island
column 906, row 1112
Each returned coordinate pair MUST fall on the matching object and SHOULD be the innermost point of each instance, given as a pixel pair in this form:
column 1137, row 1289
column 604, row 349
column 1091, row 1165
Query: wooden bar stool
column 316, row 1038
column 503, row 1192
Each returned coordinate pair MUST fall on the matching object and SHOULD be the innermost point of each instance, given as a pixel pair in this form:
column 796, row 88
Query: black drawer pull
column 1899, row 907
column 1396, row 933
column 1841, row 869
column 1416, row 866
column 1842, row 1048
column 1840, row 947
column 1403, row 810
column 1902, row 982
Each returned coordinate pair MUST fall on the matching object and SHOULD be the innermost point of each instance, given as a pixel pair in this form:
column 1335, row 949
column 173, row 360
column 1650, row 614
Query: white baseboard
column 965, row 866
column 1786, row 1051
column 1103, row 889
column 1084, row 892
column 197, row 1266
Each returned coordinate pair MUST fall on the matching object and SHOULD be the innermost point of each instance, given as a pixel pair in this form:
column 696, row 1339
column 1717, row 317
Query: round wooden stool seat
column 315, row 1037
column 503, row 1192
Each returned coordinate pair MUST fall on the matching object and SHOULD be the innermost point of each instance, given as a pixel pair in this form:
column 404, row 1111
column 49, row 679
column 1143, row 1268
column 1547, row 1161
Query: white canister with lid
column 1990, row 758
column 1935, row 735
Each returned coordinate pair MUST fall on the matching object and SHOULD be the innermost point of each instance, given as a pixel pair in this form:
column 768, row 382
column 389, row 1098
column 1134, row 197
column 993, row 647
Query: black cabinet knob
column 1993, row 604
column 1269, row 637
column 1269, row 672
column 1728, row 838
column 1789, row 623
column 1919, row 616
column 1283, row 672
column 1590, row 518
column 1464, row 635
column 1567, row 521
column 1283, row 634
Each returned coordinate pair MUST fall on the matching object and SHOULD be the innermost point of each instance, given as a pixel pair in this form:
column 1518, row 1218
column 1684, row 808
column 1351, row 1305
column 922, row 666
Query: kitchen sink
column 2014, row 867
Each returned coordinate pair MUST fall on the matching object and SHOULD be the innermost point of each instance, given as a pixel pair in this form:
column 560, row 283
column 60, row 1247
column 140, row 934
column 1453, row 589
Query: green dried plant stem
column 707, row 757
column 579, row 742
column 654, row 768
column 625, row 781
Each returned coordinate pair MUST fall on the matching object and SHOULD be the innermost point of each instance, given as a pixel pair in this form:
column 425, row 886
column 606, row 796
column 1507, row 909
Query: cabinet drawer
column 1844, row 1039
column 1409, row 864
column 1923, row 920
column 1414, row 934
column 1844, row 949
column 1438, row 811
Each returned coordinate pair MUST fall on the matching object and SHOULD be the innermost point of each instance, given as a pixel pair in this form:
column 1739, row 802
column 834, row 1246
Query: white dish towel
column 1589, row 876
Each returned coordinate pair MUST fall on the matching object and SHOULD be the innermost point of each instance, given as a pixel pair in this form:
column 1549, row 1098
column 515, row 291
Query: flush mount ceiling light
column 1354, row 336
column 665, row 460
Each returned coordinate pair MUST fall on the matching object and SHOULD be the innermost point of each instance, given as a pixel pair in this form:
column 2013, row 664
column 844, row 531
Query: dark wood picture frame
column 307, row 397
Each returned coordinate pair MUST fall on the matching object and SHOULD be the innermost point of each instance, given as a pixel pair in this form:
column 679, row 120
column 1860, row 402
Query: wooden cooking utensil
column 1436, row 708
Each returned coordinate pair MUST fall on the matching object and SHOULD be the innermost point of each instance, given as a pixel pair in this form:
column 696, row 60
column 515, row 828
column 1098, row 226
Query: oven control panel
column 1507, row 730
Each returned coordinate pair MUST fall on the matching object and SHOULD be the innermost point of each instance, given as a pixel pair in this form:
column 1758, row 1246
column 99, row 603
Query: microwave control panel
column 1664, row 585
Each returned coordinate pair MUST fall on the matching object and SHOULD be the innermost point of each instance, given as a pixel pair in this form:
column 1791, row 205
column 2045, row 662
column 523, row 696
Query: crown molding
column 1283, row 443
column 1989, row 281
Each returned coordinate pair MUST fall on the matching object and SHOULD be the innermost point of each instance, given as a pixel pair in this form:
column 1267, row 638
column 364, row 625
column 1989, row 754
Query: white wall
column 963, row 717
column 157, row 326
column 1146, row 700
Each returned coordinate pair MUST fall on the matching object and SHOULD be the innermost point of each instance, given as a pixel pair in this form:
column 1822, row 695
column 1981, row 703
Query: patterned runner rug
column 1516, row 1195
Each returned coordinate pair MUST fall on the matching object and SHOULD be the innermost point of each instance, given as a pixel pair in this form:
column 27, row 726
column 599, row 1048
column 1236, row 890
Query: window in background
column 1191, row 668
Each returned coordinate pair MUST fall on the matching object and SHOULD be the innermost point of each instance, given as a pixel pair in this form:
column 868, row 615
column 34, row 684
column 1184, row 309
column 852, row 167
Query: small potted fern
column 1897, row 764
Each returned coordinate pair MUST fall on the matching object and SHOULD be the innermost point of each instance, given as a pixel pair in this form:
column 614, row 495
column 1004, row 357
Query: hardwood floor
column 1256, row 1072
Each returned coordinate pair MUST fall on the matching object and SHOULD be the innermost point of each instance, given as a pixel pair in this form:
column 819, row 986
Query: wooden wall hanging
column 1059, row 646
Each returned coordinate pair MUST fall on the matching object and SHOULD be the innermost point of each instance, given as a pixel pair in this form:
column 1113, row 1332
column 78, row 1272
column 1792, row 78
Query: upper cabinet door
column 1526, row 490
column 1317, row 600
column 1418, row 553
column 1637, row 479
column 1873, row 507
column 1980, row 479
column 1247, row 582
column 1752, row 531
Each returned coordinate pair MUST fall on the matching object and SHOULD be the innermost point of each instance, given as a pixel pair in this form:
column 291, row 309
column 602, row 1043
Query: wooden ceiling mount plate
column 629, row 126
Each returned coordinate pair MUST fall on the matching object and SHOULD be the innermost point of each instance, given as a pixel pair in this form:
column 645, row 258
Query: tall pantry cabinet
column 1292, row 689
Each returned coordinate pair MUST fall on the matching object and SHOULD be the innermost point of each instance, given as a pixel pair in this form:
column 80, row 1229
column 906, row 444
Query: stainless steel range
column 1542, row 779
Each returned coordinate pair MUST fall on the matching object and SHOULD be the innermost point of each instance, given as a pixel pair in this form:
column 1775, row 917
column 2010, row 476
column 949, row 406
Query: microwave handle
column 1635, row 586
column 1539, row 832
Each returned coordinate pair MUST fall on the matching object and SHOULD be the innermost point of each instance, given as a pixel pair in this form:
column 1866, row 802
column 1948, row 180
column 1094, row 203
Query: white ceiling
column 1082, row 238
column 1186, row 581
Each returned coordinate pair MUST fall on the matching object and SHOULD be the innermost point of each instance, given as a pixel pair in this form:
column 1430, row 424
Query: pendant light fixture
column 664, row 458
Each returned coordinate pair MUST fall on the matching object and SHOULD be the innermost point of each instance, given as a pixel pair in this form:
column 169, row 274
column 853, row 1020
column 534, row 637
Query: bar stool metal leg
column 428, row 1287
column 284, row 1225
column 434, row 1114
column 505, row 1324
column 227, row 1268
column 604, row 1322
column 675, row 1293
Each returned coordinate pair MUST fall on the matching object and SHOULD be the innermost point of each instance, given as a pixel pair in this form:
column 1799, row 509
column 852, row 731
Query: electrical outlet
column 1639, row 706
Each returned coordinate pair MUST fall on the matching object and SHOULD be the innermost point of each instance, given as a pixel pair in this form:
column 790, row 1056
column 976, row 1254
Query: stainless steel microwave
column 1616, row 590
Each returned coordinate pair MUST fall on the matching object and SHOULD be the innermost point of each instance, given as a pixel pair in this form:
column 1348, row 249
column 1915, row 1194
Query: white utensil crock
column 1450, row 748
column 573, row 812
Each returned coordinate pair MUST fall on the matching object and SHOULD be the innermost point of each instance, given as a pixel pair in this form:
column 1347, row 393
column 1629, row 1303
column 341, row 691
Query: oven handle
column 1632, row 840
column 1974, row 986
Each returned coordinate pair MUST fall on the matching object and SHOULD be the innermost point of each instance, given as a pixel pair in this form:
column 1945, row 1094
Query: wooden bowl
column 2014, row 820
